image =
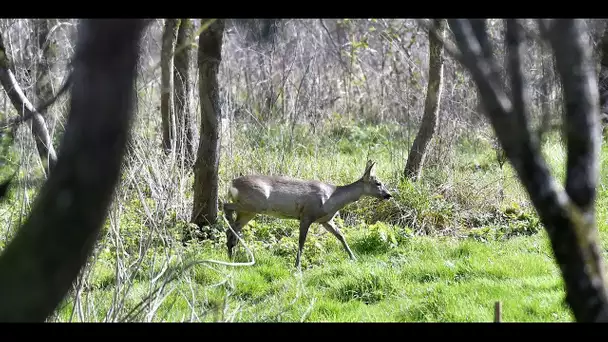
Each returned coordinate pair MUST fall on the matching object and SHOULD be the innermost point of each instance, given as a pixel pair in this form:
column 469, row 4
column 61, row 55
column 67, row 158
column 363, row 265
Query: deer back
column 279, row 196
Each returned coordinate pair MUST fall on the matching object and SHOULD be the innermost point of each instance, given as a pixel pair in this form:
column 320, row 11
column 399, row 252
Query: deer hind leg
column 242, row 218
column 331, row 227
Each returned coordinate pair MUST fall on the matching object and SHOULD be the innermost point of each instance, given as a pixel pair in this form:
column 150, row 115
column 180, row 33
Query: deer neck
column 344, row 195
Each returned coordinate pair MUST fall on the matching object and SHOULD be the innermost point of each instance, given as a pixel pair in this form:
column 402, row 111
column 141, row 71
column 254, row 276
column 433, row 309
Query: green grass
column 445, row 249
column 422, row 279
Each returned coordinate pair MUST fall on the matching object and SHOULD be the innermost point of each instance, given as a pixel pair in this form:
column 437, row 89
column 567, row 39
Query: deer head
column 371, row 185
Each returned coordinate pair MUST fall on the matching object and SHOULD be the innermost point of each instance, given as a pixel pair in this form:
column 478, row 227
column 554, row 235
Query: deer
column 309, row 201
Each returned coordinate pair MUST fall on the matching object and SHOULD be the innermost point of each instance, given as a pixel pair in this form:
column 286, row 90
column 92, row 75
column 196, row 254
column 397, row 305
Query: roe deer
column 309, row 201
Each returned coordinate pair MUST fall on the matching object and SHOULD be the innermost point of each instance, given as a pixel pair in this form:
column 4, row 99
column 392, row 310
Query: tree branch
column 573, row 61
column 518, row 89
column 479, row 27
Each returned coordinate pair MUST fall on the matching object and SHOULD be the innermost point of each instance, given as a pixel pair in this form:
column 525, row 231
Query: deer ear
column 368, row 168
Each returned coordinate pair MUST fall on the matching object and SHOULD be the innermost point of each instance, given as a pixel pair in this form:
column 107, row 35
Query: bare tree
column 40, row 264
column 181, row 76
column 166, row 103
column 415, row 159
column 568, row 215
column 25, row 108
column 205, row 205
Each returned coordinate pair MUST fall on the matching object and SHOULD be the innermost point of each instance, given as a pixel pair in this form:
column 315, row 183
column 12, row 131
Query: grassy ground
column 445, row 249
column 423, row 279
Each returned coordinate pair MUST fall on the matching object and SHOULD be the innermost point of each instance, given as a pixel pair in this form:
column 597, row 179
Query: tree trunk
column 25, row 108
column 567, row 215
column 40, row 264
column 182, row 91
column 205, row 206
column 166, row 103
column 415, row 160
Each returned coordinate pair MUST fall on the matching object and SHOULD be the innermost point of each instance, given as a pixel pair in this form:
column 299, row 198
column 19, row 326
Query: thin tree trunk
column 415, row 160
column 25, row 108
column 166, row 103
column 205, row 206
column 185, row 143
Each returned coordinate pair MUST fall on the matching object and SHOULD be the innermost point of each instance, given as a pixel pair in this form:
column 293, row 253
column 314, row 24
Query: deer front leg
column 338, row 234
column 304, row 226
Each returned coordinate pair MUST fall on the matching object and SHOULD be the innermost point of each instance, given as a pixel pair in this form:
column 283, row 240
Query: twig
column 173, row 274
column 29, row 114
